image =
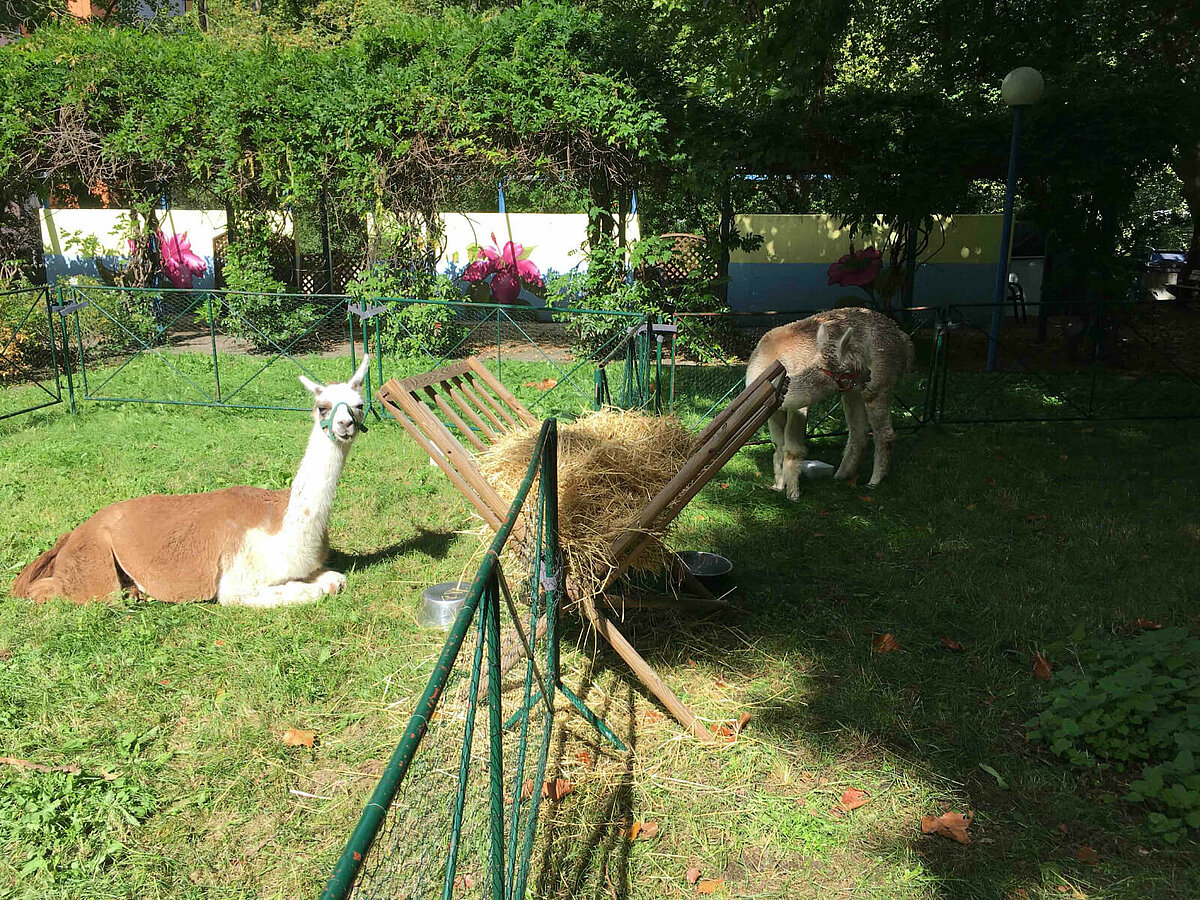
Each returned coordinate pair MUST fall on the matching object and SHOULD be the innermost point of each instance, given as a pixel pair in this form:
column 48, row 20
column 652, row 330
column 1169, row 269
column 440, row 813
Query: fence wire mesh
column 29, row 371
column 1116, row 360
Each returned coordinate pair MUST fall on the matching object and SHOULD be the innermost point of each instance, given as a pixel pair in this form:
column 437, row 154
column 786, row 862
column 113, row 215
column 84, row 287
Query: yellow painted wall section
column 821, row 239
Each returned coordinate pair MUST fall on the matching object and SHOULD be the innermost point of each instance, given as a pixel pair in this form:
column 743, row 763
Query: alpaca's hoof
column 331, row 582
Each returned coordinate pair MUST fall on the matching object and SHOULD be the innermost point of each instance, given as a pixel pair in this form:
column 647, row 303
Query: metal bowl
column 711, row 569
column 815, row 470
column 440, row 604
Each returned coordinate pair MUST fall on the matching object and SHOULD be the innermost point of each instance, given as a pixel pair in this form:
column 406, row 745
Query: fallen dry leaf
column 710, row 885
column 298, row 737
column 1018, row 894
column 584, row 757
column 866, row 498
column 952, row 825
column 70, row 769
column 1087, row 855
column 692, row 875
column 1062, row 826
column 951, row 644
column 970, row 506
column 853, row 798
column 464, row 882
column 724, row 485
column 557, row 789
column 527, row 789
column 1147, row 624
column 642, row 831
column 818, row 534
column 543, row 385
column 1042, row 670
column 731, row 730
column 823, row 513
column 885, row 643
column 652, row 715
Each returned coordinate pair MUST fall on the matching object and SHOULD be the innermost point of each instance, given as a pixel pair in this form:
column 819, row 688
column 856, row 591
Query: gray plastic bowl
column 711, row 569
column 440, row 604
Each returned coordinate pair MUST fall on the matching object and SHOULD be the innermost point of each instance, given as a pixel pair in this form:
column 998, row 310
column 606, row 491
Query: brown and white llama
column 854, row 352
column 241, row 545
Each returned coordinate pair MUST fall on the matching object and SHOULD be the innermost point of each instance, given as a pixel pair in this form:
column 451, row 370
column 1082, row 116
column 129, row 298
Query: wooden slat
column 466, row 407
column 501, row 391
column 414, row 383
column 464, row 385
column 497, row 405
column 454, row 417
column 770, row 374
column 464, row 487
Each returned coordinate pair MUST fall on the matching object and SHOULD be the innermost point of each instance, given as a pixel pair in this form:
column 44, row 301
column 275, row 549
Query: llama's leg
column 794, row 451
column 287, row 594
column 879, row 410
column 856, row 424
column 775, row 425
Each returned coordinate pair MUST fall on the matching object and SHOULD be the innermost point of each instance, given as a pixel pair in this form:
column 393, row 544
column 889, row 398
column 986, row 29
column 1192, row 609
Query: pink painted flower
column 856, row 269
column 179, row 263
column 509, row 267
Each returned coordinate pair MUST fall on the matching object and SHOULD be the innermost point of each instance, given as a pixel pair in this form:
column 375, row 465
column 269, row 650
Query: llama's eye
column 358, row 406
column 323, row 408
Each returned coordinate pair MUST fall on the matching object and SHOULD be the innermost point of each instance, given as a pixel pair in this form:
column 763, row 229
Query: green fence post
column 496, row 737
column 66, row 348
column 212, row 334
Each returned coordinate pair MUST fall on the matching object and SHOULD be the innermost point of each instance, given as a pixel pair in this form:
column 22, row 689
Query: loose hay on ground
column 610, row 465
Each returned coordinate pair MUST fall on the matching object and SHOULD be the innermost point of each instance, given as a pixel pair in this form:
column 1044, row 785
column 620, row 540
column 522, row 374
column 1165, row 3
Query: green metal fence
column 1103, row 361
column 29, row 364
column 1100, row 361
column 455, row 813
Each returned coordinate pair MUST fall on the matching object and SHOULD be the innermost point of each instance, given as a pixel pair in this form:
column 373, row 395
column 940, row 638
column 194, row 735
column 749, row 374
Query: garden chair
column 482, row 410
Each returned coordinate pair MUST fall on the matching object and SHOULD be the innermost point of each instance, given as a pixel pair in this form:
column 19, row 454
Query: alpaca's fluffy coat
column 856, row 352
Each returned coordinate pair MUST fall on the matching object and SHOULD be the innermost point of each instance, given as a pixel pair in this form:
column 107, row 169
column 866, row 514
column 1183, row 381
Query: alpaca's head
column 338, row 408
column 848, row 352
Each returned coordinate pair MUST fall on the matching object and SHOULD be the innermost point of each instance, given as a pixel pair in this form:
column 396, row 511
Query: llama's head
column 338, row 408
column 847, row 352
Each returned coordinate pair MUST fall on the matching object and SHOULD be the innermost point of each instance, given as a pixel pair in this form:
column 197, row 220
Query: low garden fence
column 29, row 364
column 1103, row 361
column 455, row 812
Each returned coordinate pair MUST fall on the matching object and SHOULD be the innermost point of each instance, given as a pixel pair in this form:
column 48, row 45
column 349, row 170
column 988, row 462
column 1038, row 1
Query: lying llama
column 853, row 352
column 240, row 545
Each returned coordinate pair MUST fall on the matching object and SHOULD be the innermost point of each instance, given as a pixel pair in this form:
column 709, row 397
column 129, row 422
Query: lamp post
column 1021, row 88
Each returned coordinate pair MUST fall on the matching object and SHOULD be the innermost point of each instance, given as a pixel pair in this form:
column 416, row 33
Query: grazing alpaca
column 853, row 352
column 241, row 545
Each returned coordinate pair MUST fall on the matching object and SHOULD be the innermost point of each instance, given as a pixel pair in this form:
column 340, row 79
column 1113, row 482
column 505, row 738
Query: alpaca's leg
column 856, row 424
column 794, row 451
column 775, row 425
column 879, row 410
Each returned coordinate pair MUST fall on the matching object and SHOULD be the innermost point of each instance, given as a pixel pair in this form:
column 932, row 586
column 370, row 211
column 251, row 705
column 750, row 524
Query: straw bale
column 610, row 465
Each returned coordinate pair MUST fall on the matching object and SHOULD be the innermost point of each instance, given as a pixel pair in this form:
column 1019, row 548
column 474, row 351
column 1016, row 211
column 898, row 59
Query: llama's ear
column 822, row 338
column 360, row 374
column 312, row 386
column 844, row 345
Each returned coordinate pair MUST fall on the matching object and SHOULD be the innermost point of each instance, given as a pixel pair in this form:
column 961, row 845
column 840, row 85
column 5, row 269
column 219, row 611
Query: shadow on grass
column 1006, row 541
column 435, row 544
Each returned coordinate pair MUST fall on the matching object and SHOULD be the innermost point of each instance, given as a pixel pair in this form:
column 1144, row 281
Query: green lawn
column 1011, row 540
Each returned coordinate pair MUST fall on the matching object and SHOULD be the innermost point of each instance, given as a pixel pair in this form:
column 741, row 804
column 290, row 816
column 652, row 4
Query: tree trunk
column 1187, row 167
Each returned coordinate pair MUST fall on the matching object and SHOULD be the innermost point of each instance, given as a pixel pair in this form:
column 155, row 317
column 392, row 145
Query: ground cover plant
column 887, row 643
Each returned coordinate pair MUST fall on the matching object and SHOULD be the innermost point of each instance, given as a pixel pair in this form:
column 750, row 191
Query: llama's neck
column 311, row 500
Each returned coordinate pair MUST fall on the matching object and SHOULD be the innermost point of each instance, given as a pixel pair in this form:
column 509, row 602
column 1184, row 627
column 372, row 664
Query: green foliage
column 61, row 825
column 408, row 328
column 114, row 319
column 1134, row 705
column 257, row 309
column 604, row 286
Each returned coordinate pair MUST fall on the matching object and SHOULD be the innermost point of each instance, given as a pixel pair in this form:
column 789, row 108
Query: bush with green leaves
column 412, row 328
column 1134, row 706
column 605, row 286
column 257, row 308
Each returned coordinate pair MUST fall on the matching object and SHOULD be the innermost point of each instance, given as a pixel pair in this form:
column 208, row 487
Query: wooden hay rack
column 482, row 410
